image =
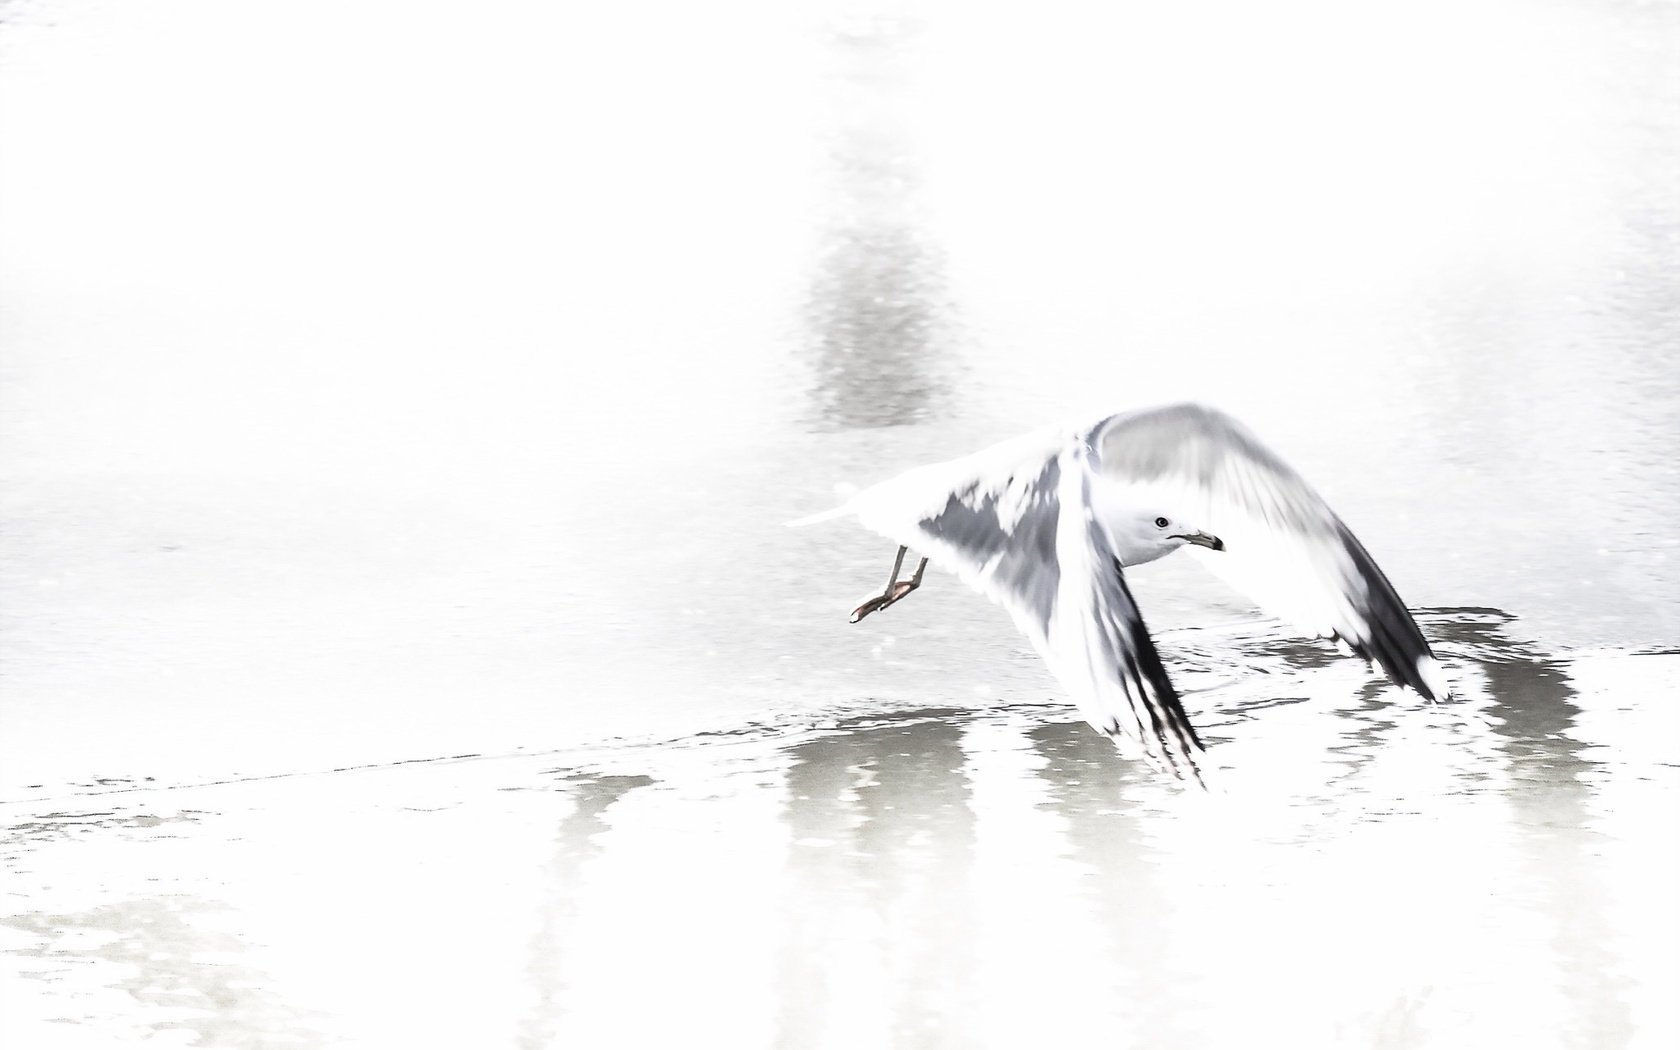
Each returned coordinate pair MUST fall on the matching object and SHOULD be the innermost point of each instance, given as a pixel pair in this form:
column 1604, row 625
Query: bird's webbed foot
column 895, row 591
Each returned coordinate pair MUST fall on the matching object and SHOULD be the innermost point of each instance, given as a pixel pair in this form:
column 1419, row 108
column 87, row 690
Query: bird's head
column 1151, row 533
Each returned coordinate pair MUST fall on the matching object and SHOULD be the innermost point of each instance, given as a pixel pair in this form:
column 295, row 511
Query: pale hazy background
column 382, row 382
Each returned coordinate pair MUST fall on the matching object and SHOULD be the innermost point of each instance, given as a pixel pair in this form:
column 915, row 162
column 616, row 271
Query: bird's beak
column 1212, row 543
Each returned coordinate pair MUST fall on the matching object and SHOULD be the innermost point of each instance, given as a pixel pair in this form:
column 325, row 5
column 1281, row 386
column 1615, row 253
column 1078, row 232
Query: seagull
column 1046, row 524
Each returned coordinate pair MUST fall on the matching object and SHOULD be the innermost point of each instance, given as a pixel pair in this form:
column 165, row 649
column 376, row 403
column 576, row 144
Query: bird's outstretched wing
column 1284, row 547
column 1014, row 522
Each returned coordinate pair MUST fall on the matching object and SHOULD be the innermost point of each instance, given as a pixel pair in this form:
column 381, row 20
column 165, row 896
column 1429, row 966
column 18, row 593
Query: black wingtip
column 1396, row 644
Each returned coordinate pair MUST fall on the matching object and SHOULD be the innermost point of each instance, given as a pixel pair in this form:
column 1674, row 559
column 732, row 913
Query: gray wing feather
column 1008, row 544
column 1120, row 660
column 1028, row 542
column 1284, row 546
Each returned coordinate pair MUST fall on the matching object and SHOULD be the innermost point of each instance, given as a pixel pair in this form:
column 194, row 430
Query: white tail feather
column 827, row 515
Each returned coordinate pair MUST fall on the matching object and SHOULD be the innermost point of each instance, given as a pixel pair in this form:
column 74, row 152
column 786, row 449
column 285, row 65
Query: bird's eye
column 1161, row 523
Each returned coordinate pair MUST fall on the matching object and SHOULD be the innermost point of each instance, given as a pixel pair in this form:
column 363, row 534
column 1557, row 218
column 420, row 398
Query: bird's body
column 1044, row 525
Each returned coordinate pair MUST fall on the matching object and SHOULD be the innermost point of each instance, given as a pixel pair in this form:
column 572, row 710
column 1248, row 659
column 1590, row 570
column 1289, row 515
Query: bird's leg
column 898, row 563
column 896, row 588
column 915, row 579
column 886, row 597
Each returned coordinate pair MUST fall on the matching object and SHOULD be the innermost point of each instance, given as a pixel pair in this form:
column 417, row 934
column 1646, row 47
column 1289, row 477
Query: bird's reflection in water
column 1120, row 882
column 881, row 828
column 1549, row 787
column 577, row 842
column 1424, row 868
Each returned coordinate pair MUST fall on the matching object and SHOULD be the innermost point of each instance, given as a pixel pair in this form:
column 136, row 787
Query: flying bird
column 1046, row 524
